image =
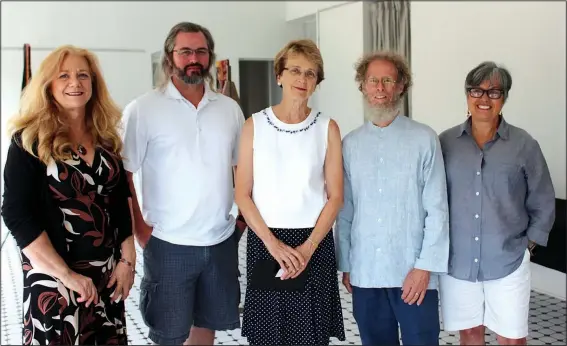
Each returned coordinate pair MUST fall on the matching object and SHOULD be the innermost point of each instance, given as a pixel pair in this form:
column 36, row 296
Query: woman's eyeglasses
column 491, row 93
column 296, row 72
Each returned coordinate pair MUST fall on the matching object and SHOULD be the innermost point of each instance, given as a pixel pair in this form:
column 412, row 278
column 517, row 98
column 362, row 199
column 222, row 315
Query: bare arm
column 286, row 256
column 141, row 230
column 334, row 185
column 244, row 183
column 127, row 246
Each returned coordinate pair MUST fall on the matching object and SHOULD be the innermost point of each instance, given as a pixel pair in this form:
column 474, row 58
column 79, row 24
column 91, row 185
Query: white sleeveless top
column 289, row 180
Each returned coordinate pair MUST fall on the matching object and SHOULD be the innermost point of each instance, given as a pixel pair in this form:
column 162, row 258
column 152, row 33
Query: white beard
column 383, row 113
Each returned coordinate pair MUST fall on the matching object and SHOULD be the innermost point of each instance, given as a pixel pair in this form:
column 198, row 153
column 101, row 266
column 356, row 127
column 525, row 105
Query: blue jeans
column 378, row 311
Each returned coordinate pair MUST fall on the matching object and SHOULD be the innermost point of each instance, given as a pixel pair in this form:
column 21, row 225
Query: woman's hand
column 83, row 285
column 306, row 250
column 289, row 259
column 123, row 277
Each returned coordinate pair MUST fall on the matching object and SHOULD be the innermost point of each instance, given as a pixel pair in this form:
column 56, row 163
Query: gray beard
column 193, row 79
column 384, row 113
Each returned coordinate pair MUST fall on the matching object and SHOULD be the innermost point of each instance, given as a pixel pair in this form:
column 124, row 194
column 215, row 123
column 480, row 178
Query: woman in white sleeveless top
column 289, row 188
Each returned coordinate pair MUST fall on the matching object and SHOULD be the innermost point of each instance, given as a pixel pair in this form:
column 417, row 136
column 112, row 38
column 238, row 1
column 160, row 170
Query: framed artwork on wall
column 224, row 83
column 155, row 68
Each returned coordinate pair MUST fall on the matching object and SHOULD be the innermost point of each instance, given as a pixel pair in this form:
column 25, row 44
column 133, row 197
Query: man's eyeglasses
column 296, row 72
column 387, row 82
column 491, row 93
column 187, row 52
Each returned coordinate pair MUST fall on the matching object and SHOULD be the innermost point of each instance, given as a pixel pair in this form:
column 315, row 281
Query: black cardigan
column 29, row 209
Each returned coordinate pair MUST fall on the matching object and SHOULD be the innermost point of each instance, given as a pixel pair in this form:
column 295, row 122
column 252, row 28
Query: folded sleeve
column 21, row 207
column 434, row 256
column 540, row 197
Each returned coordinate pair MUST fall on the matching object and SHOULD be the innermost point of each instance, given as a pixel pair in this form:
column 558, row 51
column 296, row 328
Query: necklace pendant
column 82, row 150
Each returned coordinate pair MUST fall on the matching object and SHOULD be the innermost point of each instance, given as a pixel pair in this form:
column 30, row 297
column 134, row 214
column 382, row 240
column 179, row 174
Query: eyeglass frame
column 381, row 80
column 315, row 74
column 485, row 91
column 199, row 52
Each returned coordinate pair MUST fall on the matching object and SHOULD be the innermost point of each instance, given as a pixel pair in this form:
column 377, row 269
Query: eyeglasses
column 491, row 93
column 187, row 52
column 387, row 82
column 296, row 72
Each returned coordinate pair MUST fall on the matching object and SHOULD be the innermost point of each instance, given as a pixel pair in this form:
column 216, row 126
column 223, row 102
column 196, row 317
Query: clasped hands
column 292, row 261
column 122, row 276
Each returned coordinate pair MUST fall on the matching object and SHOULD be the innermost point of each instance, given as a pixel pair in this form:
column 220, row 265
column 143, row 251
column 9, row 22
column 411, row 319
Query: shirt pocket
column 507, row 176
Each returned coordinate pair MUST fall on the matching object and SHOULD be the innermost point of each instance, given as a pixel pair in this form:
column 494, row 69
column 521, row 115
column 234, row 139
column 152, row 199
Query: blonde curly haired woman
column 67, row 204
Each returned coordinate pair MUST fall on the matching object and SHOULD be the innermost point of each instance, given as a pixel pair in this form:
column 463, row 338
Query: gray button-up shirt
column 500, row 197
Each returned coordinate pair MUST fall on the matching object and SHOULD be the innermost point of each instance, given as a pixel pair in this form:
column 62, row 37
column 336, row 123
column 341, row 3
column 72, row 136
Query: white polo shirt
column 186, row 155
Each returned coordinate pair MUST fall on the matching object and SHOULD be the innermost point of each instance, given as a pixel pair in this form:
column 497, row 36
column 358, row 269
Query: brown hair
column 166, row 64
column 404, row 74
column 307, row 48
column 40, row 121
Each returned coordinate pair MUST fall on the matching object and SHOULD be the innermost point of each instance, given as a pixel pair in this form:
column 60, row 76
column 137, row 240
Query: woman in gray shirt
column 501, row 201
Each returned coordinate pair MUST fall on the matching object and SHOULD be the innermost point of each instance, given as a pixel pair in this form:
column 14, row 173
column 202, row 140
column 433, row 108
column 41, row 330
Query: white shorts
column 502, row 305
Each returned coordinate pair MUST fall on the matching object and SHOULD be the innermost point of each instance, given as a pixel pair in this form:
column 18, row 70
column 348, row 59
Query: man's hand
column 415, row 286
column 346, row 282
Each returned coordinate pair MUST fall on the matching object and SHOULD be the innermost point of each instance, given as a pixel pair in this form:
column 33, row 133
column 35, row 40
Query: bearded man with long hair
column 183, row 137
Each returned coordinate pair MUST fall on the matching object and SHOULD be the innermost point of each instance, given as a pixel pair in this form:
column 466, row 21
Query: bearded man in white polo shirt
column 183, row 138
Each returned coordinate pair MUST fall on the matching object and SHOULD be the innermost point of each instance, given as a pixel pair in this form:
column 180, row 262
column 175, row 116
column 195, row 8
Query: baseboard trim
column 548, row 281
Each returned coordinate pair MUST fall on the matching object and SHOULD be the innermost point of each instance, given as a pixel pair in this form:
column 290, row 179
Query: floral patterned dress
column 52, row 315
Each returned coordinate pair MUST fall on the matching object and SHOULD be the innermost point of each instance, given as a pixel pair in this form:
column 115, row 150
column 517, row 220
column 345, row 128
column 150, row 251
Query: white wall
column 341, row 46
column 298, row 9
column 240, row 29
column 448, row 39
column 446, row 44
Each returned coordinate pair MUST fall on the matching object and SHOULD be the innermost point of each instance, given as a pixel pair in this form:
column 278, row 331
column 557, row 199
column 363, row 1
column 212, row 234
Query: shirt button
column 381, row 160
column 379, row 220
column 477, row 193
column 476, row 216
column 477, row 173
column 476, row 238
column 380, row 190
column 476, row 259
column 378, row 250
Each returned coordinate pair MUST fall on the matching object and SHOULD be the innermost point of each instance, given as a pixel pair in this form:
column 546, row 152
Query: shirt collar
column 503, row 129
column 395, row 124
column 172, row 92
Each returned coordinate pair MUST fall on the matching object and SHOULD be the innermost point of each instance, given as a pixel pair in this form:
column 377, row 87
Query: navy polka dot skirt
column 307, row 317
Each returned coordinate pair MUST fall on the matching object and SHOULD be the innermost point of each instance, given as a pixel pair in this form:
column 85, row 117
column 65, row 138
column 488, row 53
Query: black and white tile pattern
column 547, row 314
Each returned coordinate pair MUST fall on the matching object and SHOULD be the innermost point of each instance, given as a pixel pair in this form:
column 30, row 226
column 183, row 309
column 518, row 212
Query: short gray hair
column 167, row 53
column 489, row 71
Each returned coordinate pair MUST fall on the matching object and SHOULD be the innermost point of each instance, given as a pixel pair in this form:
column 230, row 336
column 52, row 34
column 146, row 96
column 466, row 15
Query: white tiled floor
column 547, row 315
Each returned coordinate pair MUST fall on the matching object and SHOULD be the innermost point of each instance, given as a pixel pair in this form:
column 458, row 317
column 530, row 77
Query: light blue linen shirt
column 395, row 215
